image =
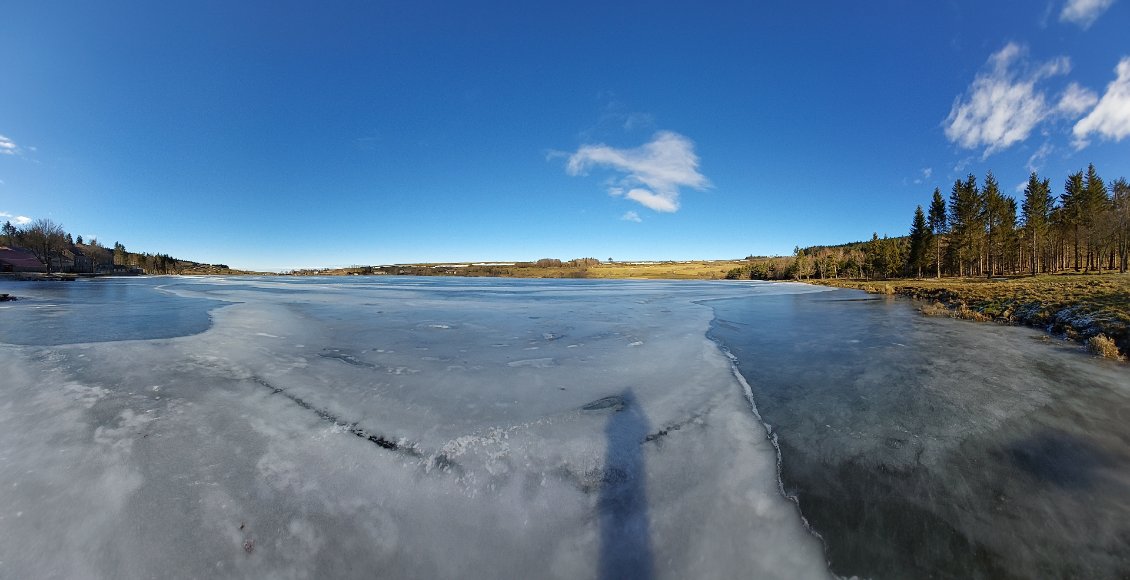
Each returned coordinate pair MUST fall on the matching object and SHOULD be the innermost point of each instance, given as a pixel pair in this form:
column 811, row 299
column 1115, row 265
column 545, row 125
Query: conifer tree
column 1120, row 203
column 9, row 232
column 919, row 242
column 119, row 254
column 937, row 224
column 1036, row 212
column 1093, row 208
column 994, row 209
column 965, row 222
column 1073, row 200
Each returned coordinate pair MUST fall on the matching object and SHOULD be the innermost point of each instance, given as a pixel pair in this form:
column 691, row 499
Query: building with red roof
column 19, row 260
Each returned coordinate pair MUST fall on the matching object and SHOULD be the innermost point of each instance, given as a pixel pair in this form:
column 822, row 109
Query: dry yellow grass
column 697, row 270
column 672, row 270
column 1103, row 346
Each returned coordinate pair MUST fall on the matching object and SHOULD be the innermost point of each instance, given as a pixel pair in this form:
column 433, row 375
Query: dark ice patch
column 1058, row 458
column 615, row 403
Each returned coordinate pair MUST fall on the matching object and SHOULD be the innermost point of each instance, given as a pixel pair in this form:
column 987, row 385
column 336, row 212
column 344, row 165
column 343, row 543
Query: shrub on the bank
column 935, row 309
column 1103, row 346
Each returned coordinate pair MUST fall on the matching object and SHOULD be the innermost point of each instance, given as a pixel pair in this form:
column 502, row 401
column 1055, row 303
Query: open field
column 668, row 270
column 704, row 270
column 1079, row 306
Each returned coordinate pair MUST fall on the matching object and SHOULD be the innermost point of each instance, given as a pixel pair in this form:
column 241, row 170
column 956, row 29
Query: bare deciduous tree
column 45, row 239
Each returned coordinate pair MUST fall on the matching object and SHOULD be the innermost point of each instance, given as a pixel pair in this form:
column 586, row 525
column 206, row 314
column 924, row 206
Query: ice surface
column 932, row 447
column 402, row 428
column 86, row 310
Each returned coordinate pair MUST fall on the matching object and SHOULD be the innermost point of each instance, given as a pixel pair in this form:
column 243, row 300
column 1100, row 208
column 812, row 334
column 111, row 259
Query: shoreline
column 1091, row 309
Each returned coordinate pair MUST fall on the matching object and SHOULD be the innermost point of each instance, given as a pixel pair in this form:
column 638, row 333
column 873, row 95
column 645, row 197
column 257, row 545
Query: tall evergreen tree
column 919, row 243
column 873, row 256
column 993, row 211
column 9, row 232
column 1036, row 211
column 938, row 227
column 1073, row 200
column 802, row 264
column 119, row 254
column 1093, row 208
column 965, row 222
column 1120, row 203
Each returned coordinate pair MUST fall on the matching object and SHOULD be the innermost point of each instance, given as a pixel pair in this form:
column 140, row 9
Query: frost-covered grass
column 1080, row 306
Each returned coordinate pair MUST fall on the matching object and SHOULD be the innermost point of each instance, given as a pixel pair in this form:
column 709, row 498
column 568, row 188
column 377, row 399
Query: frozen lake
column 486, row 428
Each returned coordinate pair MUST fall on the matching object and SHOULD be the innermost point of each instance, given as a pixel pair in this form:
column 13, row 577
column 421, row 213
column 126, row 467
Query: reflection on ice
column 396, row 427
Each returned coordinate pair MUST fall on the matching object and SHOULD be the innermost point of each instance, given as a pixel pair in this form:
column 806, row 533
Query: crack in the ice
column 441, row 460
column 658, row 436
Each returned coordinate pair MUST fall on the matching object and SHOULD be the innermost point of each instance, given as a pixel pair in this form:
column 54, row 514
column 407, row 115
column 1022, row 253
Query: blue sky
column 277, row 135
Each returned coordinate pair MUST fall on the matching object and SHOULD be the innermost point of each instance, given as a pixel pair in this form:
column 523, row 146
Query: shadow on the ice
column 625, row 550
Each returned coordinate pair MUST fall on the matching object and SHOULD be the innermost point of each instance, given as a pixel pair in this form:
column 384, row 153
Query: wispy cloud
column 631, row 216
column 1083, row 12
column 961, row 164
column 651, row 174
column 17, row 220
column 1037, row 158
column 7, row 146
column 1002, row 106
column 1110, row 119
column 1076, row 100
column 616, row 117
column 926, row 172
column 636, row 120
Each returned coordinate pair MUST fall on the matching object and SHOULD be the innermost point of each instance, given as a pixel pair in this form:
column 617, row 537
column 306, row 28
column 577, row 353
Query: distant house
column 72, row 260
column 18, row 260
column 80, row 261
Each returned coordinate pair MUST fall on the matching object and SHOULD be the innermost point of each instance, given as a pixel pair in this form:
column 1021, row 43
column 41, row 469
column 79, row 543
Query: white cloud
column 1110, row 118
column 1076, row 100
column 7, row 146
column 652, row 173
column 17, row 220
column 926, row 173
column 657, row 201
column 1083, row 12
column 1002, row 106
column 631, row 216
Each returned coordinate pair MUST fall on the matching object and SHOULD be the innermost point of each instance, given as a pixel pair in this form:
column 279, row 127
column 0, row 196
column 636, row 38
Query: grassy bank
column 1090, row 308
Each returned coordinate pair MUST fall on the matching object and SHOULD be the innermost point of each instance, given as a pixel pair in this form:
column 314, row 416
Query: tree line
column 59, row 251
column 980, row 231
